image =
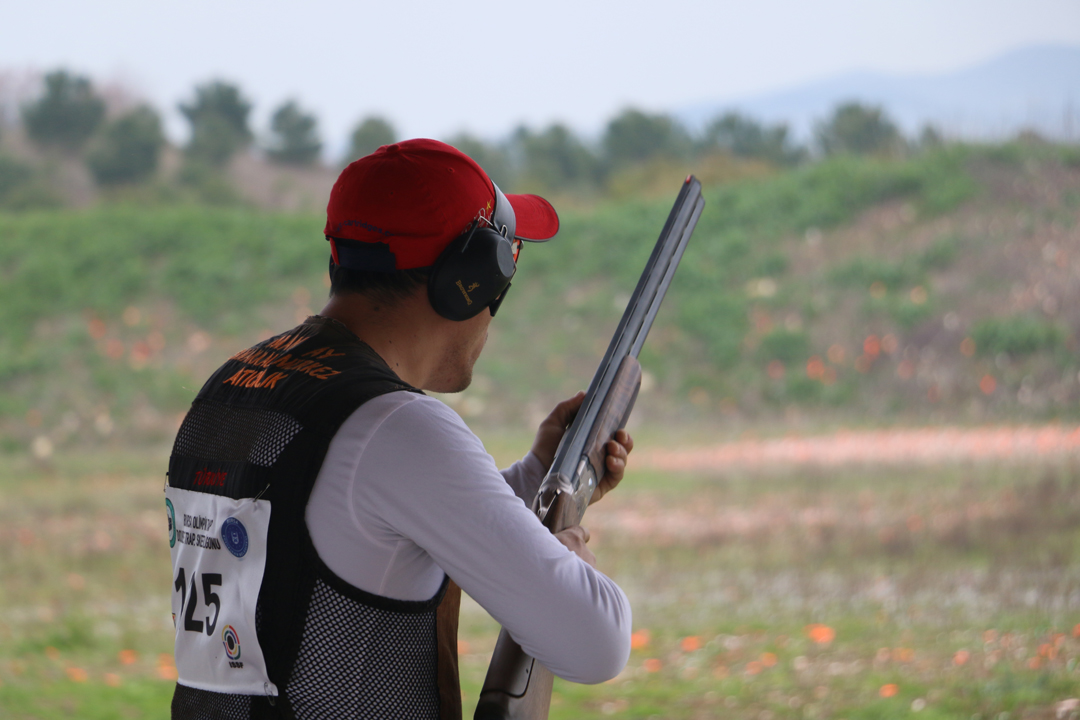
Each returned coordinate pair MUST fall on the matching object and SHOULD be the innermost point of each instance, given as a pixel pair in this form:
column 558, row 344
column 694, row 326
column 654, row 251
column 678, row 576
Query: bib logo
column 231, row 641
column 172, row 522
column 235, row 537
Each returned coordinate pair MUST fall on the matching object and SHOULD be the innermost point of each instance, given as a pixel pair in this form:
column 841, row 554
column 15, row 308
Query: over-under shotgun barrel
column 517, row 687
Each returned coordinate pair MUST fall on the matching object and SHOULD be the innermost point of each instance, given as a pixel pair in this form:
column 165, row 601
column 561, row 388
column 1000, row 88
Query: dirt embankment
column 899, row 446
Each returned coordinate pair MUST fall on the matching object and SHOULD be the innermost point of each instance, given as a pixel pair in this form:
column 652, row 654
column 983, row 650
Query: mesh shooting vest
column 260, row 428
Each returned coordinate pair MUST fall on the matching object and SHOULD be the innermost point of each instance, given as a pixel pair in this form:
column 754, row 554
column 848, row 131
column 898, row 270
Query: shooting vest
column 263, row 628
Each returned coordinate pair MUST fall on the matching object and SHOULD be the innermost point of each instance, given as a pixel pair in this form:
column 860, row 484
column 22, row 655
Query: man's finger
column 584, row 534
column 616, row 449
column 565, row 411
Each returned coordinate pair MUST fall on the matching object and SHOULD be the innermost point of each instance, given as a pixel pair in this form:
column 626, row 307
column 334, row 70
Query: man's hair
column 380, row 287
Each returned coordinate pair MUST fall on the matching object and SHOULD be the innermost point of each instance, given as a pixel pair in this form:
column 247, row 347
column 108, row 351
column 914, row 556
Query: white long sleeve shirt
column 407, row 493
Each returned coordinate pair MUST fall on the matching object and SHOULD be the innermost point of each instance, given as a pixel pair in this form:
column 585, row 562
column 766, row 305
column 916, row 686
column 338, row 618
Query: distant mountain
column 1034, row 87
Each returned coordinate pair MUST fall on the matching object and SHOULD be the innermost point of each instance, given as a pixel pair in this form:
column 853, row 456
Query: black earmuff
column 472, row 273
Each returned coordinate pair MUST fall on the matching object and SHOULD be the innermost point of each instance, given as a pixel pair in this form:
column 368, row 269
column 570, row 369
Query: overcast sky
column 435, row 68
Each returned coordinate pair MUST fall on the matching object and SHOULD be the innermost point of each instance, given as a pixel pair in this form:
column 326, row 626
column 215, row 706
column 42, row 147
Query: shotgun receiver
column 517, row 687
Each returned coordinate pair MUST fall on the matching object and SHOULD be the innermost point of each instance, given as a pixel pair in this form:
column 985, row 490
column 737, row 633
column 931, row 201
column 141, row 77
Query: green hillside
column 938, row 287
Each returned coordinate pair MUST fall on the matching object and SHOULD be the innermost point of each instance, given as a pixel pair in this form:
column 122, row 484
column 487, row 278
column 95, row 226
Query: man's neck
column 400, row 334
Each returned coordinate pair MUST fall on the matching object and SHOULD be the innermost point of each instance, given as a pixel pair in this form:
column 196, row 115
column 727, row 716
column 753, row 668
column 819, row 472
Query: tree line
column 70, row 116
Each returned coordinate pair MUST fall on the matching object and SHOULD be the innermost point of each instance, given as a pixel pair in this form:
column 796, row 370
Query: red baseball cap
column 415, row 196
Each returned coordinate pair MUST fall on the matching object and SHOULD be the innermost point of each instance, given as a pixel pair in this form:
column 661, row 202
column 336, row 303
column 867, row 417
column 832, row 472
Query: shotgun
column 517, row 687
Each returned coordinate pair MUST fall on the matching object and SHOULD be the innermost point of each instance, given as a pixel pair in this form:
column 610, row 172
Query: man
column 319, row 502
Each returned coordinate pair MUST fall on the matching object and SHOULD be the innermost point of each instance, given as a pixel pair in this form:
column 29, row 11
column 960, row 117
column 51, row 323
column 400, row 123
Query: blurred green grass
column 113, row 315
column 958, row 584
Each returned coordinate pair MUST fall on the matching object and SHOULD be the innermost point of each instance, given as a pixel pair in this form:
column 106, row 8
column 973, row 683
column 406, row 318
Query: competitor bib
column 218, row 548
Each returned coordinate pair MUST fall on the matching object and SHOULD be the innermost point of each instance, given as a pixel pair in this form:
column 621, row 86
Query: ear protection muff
column 471, row 273
column 474, row 271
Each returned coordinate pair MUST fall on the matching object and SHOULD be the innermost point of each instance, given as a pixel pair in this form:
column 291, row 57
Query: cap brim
column 537, row 221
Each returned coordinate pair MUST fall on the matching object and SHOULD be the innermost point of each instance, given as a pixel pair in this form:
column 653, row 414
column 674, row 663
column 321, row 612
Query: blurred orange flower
column 128, row 657
column 652, row 665
column 76, row 674
column 688, row 644
column 768, row 659
column 961, row 657
column 463, row 647
column 821, row 634
column 166, row 669
column 640, row 640
column 887, row 691
column 96, row 328
column 1034, row 663
column 753, row 667
column 114, row 348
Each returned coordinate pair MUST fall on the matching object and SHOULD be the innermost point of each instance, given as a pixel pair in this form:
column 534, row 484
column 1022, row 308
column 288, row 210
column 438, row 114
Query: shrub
column 369, row 136
column 907, row 314
column 799, row 388
column 492, row 158
column 219, row 122
column 1018, row 335
column 772, row 265
column 941, row 254
column 859, row 130
column 744, row 137
column 295, row 137
column 787, row 346
column 128, row 148
column 13, row 175
column 862, row 272
column 634, row 136
column 67, row 114
column 21, row 188
column 555, row 159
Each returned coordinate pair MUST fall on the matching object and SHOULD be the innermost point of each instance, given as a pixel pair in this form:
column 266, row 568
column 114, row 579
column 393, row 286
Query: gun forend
column 562, row 500
column 613, row 414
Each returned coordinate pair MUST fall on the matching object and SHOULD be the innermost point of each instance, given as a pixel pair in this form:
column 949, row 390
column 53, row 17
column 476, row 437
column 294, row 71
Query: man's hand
column 574, row 538
column 554, row 426
column 617, row 451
